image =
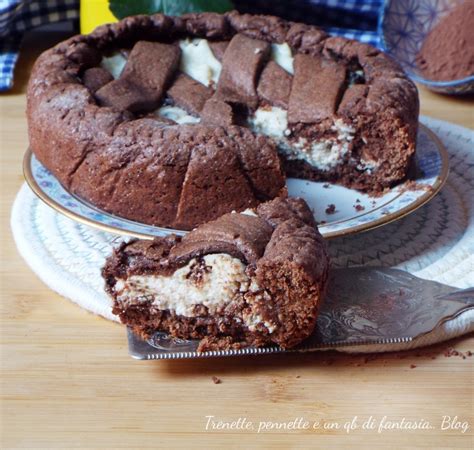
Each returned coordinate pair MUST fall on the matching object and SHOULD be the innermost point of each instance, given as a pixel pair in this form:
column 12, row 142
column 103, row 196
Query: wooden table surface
column 68, row 382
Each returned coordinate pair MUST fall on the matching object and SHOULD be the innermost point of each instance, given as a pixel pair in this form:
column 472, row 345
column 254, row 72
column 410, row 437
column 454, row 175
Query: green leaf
column 124, row 8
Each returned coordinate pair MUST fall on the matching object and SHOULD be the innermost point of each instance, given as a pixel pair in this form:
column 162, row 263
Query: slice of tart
column 245, row 279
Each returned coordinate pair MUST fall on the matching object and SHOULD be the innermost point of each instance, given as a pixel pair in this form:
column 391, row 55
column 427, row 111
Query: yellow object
column 95, row 13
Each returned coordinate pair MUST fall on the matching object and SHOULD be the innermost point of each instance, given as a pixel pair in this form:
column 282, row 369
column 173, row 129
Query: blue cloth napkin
column 355, row 19
column 18, row 16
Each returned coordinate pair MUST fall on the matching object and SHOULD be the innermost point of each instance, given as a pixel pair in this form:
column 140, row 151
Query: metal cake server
column 363, row 306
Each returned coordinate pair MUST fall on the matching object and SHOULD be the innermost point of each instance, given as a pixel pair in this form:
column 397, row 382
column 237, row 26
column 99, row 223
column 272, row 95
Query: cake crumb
column 331, row 209
column 216, row 380
column 412, row 186
column 450, row 351
column 326, row 185
column 412, row 366
column 359, row 207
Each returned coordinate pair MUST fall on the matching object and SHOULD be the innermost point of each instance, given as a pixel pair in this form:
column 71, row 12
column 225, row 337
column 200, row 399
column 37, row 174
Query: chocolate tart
column 173, row 121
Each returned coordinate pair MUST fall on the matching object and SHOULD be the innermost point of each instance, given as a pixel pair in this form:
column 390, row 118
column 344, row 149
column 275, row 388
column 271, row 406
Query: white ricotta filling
column 368, row 165
column 223, row 280
column 176, row 114
column 271, row 121
column 251, row 318
column 254, row 320
column 114, row 64
column 198, row 61
column 281, row 54
column 323, row 154
column 249, row 212
column 354, row 76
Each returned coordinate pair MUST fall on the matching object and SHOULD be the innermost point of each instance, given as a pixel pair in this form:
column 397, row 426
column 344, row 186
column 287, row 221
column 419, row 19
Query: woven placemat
column 436, row 242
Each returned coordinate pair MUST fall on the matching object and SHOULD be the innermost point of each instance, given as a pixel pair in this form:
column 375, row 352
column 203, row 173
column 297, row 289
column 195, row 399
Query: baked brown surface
column 98, row 138
column 285, row 260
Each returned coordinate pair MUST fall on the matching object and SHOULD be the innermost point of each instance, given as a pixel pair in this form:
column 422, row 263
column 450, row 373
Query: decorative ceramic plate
column 404, row 25
column 340, row 211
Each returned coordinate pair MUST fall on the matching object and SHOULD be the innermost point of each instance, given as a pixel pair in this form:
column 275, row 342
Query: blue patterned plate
column 353, row 211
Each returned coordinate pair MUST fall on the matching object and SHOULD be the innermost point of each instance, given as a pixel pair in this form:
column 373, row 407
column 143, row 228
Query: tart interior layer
column 174, row 121
column 215, row 283
column 299, row 104
column 211, row 281
column 185, row 100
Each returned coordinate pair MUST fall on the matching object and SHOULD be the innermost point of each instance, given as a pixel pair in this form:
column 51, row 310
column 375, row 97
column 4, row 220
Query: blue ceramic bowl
column 404, row 24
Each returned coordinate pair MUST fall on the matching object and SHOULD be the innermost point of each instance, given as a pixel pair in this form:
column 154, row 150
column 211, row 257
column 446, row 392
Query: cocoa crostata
column 174, row 121
column 246, row 279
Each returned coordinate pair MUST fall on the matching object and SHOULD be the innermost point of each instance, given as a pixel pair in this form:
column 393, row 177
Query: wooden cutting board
column 67, row 381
